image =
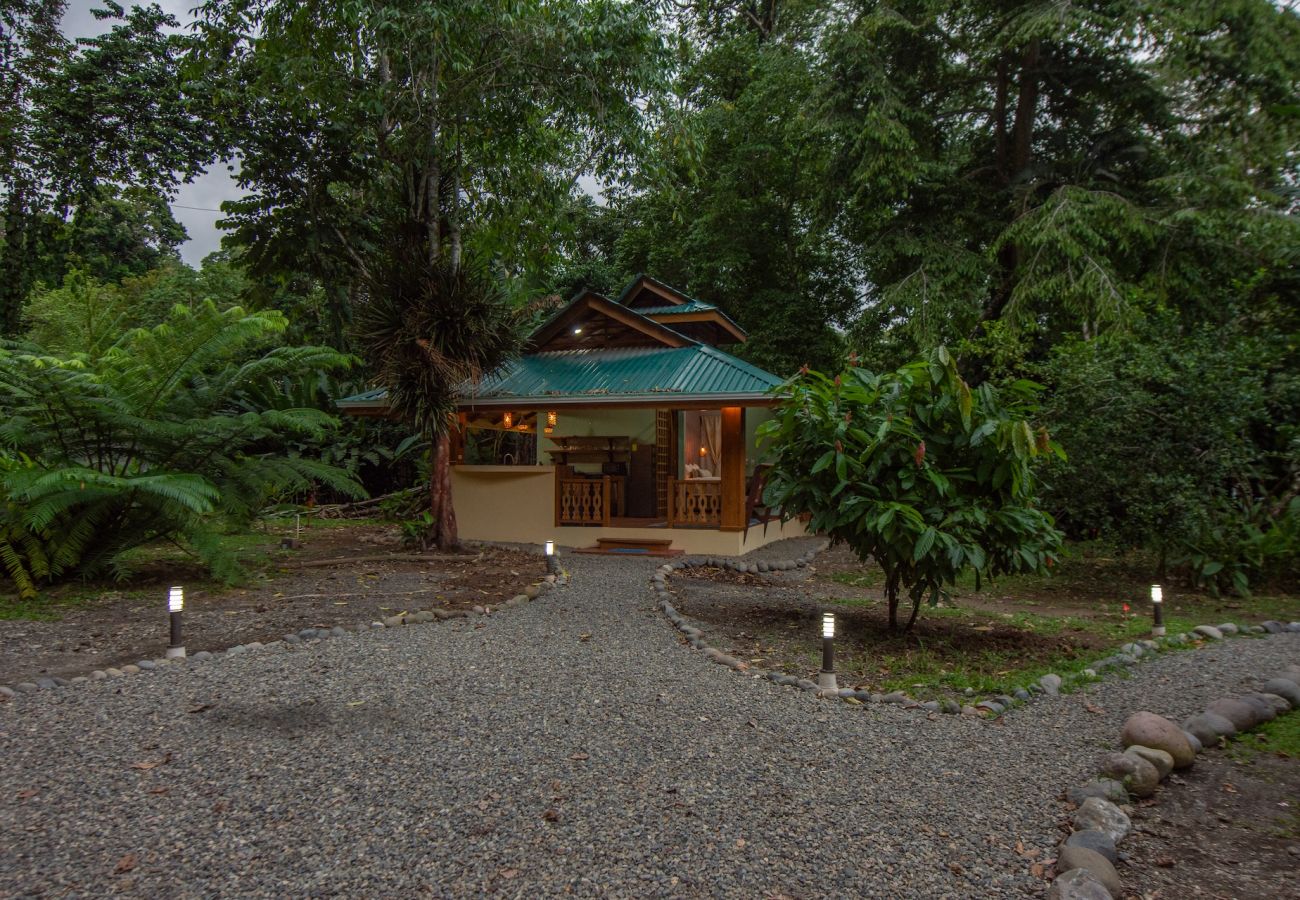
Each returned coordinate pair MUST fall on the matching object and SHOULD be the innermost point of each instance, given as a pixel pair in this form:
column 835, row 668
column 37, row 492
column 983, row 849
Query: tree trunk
column 442, row 531
column 916, row 608
column 891, row 595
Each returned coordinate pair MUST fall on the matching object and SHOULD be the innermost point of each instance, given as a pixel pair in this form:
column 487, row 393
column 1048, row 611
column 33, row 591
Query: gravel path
column 570, row 745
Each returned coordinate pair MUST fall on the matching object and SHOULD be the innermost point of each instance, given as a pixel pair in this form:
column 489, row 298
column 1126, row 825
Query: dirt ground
column 1221, row 829
column 1025, row 625
column 375, row 577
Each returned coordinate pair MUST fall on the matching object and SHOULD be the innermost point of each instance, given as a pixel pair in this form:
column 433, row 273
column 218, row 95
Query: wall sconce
column 552, row 419
column 508, row 420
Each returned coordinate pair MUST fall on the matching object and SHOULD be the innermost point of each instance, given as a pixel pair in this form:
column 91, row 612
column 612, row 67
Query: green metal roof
column 589, row 377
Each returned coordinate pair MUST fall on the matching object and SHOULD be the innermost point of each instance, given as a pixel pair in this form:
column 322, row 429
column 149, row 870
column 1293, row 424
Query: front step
column 632, row 547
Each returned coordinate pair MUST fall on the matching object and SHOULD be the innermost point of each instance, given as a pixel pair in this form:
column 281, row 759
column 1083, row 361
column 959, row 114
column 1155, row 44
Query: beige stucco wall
column 517, row 504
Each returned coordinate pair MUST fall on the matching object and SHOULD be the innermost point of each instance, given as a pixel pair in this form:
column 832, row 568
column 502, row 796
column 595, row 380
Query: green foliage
column 94, row 138
column 729, row 204
column 145, row 440
column 917, row 470
column 1185, row 443
column 356, row 121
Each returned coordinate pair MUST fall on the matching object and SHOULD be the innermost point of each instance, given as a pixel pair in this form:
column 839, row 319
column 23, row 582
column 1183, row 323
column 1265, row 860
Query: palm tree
column 427, row 327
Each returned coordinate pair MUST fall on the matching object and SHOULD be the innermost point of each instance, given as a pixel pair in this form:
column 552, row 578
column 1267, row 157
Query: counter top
column 466, row 469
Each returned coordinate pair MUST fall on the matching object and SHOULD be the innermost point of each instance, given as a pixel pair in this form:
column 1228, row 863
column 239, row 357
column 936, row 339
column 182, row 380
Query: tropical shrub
column 146, row 439
column 916, row 470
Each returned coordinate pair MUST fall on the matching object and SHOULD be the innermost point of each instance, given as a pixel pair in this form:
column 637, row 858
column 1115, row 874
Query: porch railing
column 694, row 502
column 582, row 501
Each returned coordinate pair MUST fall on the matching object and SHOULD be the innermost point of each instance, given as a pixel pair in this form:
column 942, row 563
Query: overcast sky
column 195, row 204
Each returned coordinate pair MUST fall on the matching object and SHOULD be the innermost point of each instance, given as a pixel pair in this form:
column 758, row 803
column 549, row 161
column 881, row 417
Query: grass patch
column 1281, row 737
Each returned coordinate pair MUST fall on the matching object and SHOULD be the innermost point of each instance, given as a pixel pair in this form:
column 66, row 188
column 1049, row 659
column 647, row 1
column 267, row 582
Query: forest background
column 1099, row 197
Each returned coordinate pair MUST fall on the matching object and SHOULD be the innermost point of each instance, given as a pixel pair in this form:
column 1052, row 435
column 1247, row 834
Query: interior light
column 508, row 420
column 552, row 418
column 577, row 330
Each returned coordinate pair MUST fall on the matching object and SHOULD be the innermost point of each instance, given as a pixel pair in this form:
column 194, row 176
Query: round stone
column 1147, row 729
column 80, row 679
column 1101, row 789
column 98, row 675
column 1163, row 762
column 1287, row 689
column 1270, row 702
column 1137, row 775
column 1243, row 716
column 199, row 657
column 130, row 670
column 1104, row 816
column 1228, row 628
column 1083, row 858
column 1210, row 727
column 1051, row 683
column 1194, row 742
column 7, row 692
column 26, row 687
column 1078, row 884
column 1096, row 841
column 1209, row 631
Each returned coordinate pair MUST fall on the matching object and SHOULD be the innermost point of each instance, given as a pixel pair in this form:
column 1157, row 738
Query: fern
column 158, row 435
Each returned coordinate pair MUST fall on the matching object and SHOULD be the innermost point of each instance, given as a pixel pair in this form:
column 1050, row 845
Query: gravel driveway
column 570, row 746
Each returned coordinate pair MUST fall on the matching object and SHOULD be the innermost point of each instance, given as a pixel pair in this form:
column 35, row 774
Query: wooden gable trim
column 632, row 294
column 712, row 317
column 590, row 302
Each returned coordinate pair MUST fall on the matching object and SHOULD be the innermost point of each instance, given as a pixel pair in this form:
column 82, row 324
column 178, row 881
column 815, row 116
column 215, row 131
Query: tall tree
column 730, row 204
column 1065, row 168
column 114, row 112
column 364, row 127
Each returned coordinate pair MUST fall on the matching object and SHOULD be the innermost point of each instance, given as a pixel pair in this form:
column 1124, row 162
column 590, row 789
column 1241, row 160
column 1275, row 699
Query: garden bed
column 79, row 628
column 1230, row 825
column 987, row 641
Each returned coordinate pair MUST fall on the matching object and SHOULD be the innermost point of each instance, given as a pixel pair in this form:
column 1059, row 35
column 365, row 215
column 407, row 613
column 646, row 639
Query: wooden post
column 733, row 468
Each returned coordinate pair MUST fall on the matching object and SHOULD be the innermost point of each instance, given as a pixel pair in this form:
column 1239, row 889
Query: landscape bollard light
column 175, row 604
column 550, row 548
column 826, row 678
column 1157, row 611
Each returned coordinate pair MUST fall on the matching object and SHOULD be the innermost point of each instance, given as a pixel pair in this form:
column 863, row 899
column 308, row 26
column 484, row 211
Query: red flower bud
column 919, row 455
column 837, row 381
column 803, row 370
column 848, row 417
column 839, row 447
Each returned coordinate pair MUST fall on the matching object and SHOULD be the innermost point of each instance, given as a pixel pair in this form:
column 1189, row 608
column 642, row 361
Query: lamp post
column 826, row 678
column 175, row 605
column 1157, row 611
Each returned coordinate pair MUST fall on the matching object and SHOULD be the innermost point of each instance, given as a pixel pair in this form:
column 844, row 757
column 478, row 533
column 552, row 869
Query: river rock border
column 555, row 577
column 1049, row 685
column 1153, row 747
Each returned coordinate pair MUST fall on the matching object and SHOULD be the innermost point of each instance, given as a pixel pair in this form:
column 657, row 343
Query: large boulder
column 1146, row 729
column 1083, row 858
column 1102, row 815
column 1285, row 688
column 1137, row 775
column 1163, row 762
column 1078, row 884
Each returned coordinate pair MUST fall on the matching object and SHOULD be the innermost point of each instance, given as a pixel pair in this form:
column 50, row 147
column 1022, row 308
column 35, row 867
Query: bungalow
column 624, row 425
